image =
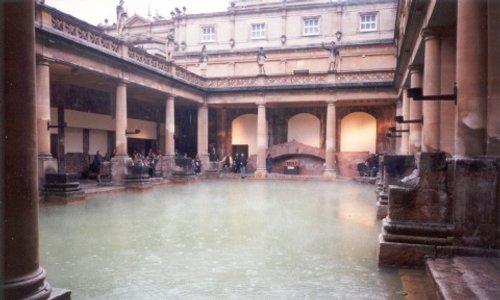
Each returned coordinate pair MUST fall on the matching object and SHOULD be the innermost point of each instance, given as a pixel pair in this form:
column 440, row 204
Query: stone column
column 493, row 125
column 23, row 277
column 448, row 78
column 432, row 86
column 261, row 171
column 121, row 159
column 406, row 116
column 222, row 132
column 46, row 163
column 168, row 159
column 472, row 54
column 331, row 124
column 415, row 136
column 203, row 135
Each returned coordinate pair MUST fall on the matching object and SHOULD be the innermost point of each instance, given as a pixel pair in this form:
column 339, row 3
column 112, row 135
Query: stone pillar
column 222, row 132
column 121, row 159
column 432, row 86
column 493, row 125
column 448, row 78
column 203, row 135
column 415, row 136
column 168, row 159
column 331, row 124
column 46, row 163
column 472, row 54
column 406, row 116
column 261, row 171
column 23, row 277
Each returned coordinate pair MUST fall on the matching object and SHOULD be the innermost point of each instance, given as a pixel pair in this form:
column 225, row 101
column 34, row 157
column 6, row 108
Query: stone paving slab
column 416, row 284
column 465, row 277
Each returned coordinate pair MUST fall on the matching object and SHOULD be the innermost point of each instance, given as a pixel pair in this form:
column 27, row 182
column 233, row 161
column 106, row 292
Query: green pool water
column 235, row 239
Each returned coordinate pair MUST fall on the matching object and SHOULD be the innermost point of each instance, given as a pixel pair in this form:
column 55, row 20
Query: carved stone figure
column 121, row 17
column 261, row 60
column 334, row 55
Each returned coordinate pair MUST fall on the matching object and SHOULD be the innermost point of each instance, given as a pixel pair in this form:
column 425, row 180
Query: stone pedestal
column 419, row 215
column 137, row 178
column 62, row 188
column 119, row 169
column 46, row 165
column 182, row 171
column 394, row 168
column 167, row 164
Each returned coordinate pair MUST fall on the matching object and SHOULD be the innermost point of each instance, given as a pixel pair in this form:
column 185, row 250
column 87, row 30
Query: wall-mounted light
column 400, row 119
column 231, row 42
column 283, row 39
column 338, row 35
column 393, row 129
column 418, row 95
column 59, row 125
column 136, row 131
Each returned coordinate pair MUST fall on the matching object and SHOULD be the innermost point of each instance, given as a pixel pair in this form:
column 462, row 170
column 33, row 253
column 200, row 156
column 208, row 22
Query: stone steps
column 465, row 277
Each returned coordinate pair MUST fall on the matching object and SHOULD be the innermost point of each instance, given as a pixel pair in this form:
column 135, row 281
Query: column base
column 119, row 169
column 167, row 164
column 30, row 286
column 46, row 164
column 330, row 174
column 260, row 173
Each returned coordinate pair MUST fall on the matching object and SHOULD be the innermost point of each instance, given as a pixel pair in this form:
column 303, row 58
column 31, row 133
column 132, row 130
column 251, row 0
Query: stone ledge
column 465, row 277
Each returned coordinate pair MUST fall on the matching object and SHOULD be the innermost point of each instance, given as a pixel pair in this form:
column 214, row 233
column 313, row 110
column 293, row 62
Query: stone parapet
column 62, row 188
column 450, row 207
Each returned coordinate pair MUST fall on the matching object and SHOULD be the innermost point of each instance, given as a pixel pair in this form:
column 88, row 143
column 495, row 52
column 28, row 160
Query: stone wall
column 450, row 208
column 347, row 163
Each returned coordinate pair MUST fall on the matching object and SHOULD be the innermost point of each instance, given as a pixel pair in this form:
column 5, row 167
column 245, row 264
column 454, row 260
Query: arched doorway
column 244, row 133
column 305, row 129
column 358, row 133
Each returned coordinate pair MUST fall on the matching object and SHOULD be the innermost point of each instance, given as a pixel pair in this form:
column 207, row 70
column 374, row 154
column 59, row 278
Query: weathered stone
column 62, row 188
column 475, row 201
column 119, row 168
column 465, row 277
column 403, row 254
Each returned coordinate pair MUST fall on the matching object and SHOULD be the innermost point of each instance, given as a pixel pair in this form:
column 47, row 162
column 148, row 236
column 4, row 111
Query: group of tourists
column 236, row 164
column 369, row 168
column 150, row 160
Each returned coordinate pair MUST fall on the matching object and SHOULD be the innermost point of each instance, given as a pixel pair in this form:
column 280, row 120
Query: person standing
column 269, row 163
column 242, row 161
column 96, row 165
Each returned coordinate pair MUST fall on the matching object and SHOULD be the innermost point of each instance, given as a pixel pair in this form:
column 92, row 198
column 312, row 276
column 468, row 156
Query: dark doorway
column 238, row 149
column 140, row 145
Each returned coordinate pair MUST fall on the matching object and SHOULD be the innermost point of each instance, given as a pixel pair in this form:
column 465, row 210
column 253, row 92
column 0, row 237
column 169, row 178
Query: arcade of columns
column 476, row 129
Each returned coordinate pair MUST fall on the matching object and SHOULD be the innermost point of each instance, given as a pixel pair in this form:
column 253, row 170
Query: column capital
column 41, row 60
column 430, row 33
column 416, row 68
column 261, row 103
column 331, row 102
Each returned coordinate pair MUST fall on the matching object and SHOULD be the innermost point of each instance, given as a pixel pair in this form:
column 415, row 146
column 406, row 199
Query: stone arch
column 304, row 128
column 244, row 132
column 358, row 132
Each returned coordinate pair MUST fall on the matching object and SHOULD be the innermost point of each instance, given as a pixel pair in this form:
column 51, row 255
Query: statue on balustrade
column 334, row 56
column 121, row 17
column 261, row 60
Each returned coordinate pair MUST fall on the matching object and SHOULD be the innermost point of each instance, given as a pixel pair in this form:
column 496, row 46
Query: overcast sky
column 95, row 11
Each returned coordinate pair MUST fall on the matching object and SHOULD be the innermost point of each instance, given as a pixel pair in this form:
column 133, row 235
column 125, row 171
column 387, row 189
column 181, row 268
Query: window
column 258, row 31
column 311, row 26
column 368, row 22
column 208, row 34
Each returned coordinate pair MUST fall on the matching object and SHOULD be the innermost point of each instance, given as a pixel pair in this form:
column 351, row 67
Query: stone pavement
column 465, row 277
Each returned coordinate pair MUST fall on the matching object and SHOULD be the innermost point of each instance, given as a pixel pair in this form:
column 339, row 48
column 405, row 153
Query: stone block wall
column 450, row 208
column 347, row 162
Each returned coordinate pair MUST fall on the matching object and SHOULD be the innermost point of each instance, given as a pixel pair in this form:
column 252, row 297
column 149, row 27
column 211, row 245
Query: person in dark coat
column 95, row 166
column 269, row 163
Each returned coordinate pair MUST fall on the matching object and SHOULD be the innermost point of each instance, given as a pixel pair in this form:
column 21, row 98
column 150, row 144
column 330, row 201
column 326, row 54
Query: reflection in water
column 219, row 240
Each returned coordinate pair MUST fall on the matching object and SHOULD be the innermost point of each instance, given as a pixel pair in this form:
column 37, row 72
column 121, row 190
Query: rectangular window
column 208, row 34
column 311, row 26
column 258, row 31
column 368, row 22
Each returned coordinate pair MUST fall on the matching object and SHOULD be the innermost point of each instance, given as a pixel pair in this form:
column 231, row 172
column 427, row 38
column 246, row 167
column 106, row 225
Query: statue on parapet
column 261, row 60
column 203, row 60
column 334, row 55
column 121, row 17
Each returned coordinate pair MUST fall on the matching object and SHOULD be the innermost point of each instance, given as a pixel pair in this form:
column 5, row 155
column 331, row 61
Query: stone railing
column 143, row 57
column 85, row 33
column 189, row 76
column 302, row 79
